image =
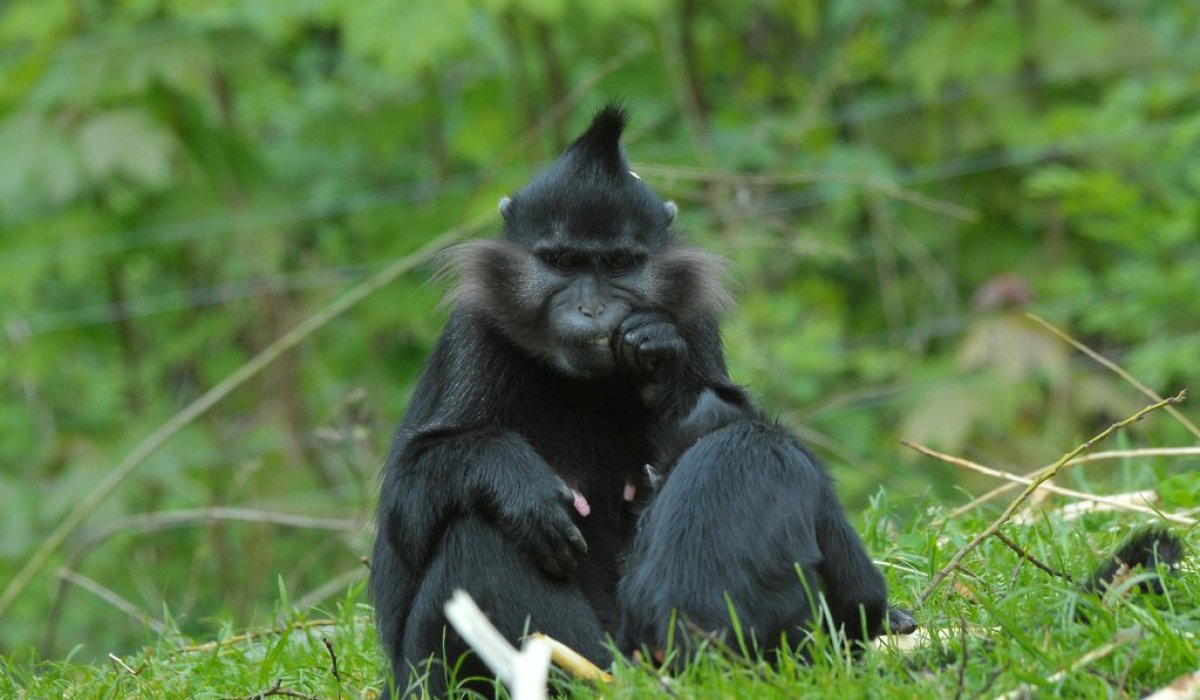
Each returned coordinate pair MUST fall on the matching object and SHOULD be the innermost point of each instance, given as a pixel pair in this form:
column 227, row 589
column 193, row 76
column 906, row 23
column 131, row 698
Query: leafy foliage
column 896, row 182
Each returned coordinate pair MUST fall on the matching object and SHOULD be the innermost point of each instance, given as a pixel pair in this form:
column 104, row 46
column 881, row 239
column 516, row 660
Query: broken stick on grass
column 571, row 661
column 524, row 672
column 1046, row 474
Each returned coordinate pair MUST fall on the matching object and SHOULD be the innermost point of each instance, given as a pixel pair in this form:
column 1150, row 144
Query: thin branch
column 1030, row 558
column 118, row 662
column 1038, row 480
column 1094, row 457
column 112, row 598
column 1120, row 371
column 1073, row 511
column 332, row 660
column 1071, row 493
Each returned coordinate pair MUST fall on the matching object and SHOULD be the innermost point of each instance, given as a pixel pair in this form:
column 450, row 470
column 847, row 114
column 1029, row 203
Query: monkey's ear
column 505, row 206
column 672, row 210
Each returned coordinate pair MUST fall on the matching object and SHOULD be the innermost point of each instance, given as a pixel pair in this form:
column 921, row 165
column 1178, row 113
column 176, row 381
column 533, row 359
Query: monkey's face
column 585, row 244
column 589, row 290
column 560, row 300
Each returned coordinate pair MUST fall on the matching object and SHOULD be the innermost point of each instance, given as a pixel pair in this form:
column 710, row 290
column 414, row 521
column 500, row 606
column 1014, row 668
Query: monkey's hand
column 537, row 516
column 648, row 344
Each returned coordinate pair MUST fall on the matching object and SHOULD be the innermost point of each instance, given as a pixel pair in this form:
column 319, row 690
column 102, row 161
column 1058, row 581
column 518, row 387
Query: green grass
column 1021, row 628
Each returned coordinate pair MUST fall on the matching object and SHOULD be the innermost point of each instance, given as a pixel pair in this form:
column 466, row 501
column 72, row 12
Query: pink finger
column 581, row 505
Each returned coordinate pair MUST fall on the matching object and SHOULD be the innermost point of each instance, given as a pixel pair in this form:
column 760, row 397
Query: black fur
column 1147, row 549
column 581, row 347
column 745, row 531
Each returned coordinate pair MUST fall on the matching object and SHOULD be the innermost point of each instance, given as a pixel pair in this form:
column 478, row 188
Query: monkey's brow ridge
column 589, row 248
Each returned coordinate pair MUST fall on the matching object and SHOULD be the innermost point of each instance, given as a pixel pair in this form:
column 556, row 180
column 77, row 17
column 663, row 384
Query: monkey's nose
column 591, row 310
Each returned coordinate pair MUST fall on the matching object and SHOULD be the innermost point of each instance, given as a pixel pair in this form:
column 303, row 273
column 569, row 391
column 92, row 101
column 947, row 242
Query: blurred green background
column 182, row 182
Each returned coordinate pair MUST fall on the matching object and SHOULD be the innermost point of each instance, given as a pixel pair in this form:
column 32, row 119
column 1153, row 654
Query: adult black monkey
column 510, row 473
column 582, row 346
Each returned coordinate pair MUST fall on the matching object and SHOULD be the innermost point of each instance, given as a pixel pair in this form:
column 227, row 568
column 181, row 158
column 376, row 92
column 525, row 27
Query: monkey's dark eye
column 619, row 263
column 560, row 260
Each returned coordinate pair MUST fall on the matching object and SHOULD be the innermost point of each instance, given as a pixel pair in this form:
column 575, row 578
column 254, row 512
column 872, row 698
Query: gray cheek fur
column 689, row 282
column 508, row 284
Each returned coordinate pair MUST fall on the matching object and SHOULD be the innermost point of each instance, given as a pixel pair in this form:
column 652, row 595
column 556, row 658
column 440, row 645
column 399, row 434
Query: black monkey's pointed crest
column 601, row 143
column 589, row 193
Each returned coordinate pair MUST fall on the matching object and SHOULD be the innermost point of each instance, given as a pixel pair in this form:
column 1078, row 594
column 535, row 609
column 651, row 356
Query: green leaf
column 126, row 142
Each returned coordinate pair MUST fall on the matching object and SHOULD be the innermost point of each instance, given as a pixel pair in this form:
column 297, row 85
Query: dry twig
column 1094, row 457
column 573, row 662
column 332, row 659
column 1045, row 474
column 1115, row 503
column 1073, row 511
column 1029, row 557
column 120, row 663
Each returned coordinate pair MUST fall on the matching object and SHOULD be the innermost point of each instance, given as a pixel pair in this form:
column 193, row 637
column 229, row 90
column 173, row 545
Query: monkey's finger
column 575, row 538
column 627, row 354
column 665, row 349
column 638, row 320
column 565, row 494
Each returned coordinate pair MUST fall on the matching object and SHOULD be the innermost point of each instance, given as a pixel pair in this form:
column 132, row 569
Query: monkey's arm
column 445, row 472
column 683, row 377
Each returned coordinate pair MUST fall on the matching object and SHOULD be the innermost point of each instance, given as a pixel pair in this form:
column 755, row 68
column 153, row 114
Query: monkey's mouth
column 589, row 341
